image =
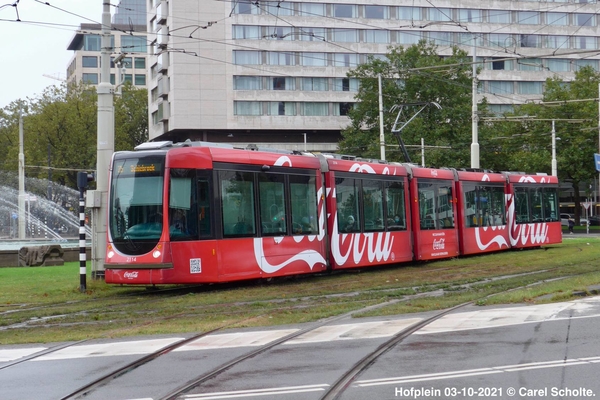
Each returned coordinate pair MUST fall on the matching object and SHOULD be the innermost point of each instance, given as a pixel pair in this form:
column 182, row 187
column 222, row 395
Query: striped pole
column 82, row 255
column 82, row 183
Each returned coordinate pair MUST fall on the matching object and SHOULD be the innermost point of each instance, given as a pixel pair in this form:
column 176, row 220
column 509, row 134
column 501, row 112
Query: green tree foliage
column 415, row 74
column 527, row 145
column 60, row 130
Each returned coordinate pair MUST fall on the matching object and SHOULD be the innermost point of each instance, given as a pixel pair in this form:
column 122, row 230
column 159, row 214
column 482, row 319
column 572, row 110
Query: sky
column 31, row 50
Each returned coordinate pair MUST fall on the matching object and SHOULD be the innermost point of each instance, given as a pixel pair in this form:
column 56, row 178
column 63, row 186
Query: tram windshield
column 135, row 204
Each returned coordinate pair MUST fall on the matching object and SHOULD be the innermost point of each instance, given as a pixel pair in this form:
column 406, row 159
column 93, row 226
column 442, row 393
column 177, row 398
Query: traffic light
column 83, row 178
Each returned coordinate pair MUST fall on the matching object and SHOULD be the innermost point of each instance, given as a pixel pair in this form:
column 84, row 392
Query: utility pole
column 554, row 167
column 21, row 178
column 475, row 117
column 381, row 133
column 98, row 199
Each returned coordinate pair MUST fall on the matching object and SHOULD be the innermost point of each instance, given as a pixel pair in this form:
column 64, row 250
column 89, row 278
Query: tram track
column 333, row 392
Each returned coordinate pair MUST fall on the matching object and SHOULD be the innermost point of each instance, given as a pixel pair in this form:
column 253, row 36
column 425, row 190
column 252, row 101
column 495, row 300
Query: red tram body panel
column 197, row 212
column 533, row 213
column 433, row 210
column 482, row 212
column 377, row 236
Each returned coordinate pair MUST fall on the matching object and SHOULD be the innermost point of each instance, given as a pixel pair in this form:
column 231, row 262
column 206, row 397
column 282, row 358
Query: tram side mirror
column 83, row 178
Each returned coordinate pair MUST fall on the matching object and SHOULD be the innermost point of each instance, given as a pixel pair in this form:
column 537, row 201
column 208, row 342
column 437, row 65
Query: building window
column 500, row 40
column 557, row 18
column 528, row 17
column 315, row 109
column 530, row 87
column 376, row 12
column 314, row 84
column 140, row 63
column 501, row 87
column 530, row 41
column 558, row 65
column 89, row 62
column 584, row 42
column 441, row 38
column 377, row 36
column 247, row 83
column 556, row 42
column 246, row 7
column 90, row 78
column 345, row 84
column 91, row 43
column 499, row 16
column 584, row 19
column 344, row 10
column 345, row 60
column 466, row 15
column 311, row 34
column 246, row 32
column 281, row 108
column 134, row 44
column 408, row 37
column 501, row 65
column 501, row 108
column 246, row 57
column 314, row 59
column 585, row 63
column 279, row 33
column 440, row 14
column 140, row 80
column 312, row 10
column 277, row 8
column 247, row 108
column 283, row 83
column 345, row 35
column 409, row 13
column 342, row 109
column 128, row 78
column 276, row 58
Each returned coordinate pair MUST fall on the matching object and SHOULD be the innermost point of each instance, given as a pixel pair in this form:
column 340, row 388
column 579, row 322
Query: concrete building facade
column 128, row 37
column 275, row 71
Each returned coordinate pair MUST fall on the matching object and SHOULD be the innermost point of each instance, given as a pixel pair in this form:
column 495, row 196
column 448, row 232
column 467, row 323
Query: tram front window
column 135, row 209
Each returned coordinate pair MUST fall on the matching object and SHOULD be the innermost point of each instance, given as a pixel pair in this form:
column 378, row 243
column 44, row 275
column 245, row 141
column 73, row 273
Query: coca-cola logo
column 130, row 275
column 438, row 244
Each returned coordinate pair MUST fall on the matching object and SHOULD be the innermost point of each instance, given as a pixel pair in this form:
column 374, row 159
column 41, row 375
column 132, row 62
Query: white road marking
column 239, row 339
column 109, row 349
column 257, row 392
column 477, row 372
column 14, row 354
column 364, row 330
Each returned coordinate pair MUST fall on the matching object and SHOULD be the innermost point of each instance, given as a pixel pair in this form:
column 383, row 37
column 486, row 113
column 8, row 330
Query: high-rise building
column 272, row 71
column 128, row 35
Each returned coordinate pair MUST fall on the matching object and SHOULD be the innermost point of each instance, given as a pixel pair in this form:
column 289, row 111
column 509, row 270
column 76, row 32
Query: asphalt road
column 546, row 351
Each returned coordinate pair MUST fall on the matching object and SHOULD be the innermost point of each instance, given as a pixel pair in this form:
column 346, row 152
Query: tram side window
column 237, row 197
column 435, row 205
column 347, row 192
column 550, row 201
column 273, row 213
column 396, row 212
column 203, row 208
column 182, row 194
column 303, row 197
column 536, row 204
column 522, row 213
column 373, row 205
column 484, row 205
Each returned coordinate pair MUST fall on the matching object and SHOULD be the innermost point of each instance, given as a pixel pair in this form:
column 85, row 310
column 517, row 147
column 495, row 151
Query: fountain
column 47, row 222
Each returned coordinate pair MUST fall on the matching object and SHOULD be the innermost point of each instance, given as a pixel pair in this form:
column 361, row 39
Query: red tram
column 197, row 212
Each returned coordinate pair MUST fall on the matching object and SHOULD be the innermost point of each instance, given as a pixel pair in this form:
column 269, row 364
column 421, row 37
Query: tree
column 61, row 130
column 415, row 74
column 528, row 143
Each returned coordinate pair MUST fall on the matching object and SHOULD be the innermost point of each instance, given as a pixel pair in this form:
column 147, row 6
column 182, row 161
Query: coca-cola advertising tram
column 197, row 212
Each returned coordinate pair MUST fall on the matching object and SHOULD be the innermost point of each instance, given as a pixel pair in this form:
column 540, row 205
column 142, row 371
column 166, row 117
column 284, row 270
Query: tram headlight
column 156, row 253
